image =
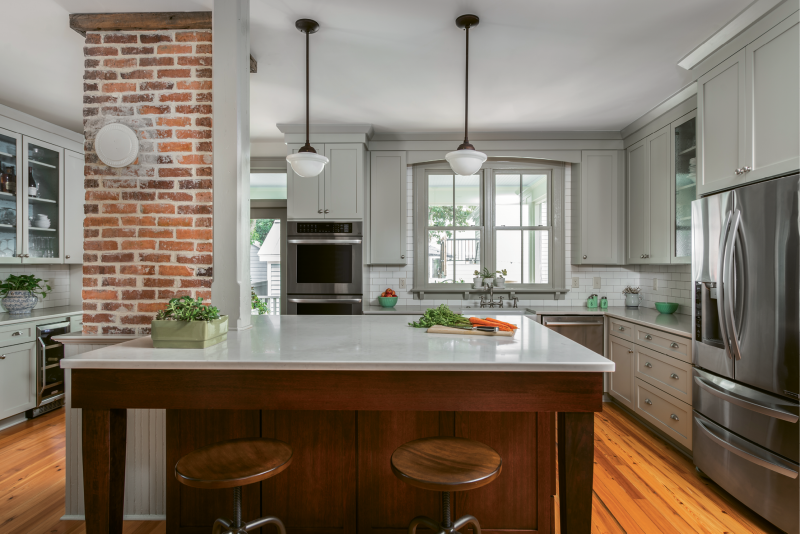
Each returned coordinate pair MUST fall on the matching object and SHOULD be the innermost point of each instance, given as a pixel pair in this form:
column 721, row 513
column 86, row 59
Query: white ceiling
column 535, row 65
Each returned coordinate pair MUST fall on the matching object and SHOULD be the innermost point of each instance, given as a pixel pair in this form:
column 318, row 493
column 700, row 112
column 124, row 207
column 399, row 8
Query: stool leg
column 237, row 507
column 221, row 526
column 446, row 510
column 264, row 521
column 467, row 519
column 422, row 520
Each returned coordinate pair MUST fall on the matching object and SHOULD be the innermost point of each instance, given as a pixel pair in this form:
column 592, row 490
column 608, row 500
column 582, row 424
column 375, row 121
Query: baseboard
column 124, row 518
column 677, row 446
column 8, row 422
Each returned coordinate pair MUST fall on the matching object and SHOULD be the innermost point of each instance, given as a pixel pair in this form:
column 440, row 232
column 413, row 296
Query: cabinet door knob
column 647, row 364
column 319, row 211
column 738, row 171
column 747, row 169
column 673, row 345
column 648, row 337
column 648, row 401
column 631, row 352
column 67, row 256
column 641, row 255
column 2, row 357
column 673, row 416
column 585, row 256
column 327, row 211
column 674, row 376
column 402, row 256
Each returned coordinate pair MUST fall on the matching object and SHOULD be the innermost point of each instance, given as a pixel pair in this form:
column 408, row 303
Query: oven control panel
column 324, row 228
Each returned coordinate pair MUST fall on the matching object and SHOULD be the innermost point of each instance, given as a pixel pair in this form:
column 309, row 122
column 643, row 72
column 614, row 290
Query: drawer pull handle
column 621, row 328
column 648, row 364
column 648, row 337
column 648, row 401
column 17, row 333
column 674, row 376
column 673, row 345
column 674, row 417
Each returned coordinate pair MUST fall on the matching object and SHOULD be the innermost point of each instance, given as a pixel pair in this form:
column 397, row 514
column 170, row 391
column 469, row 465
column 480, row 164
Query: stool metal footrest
column 225, row 526
column 437, row 528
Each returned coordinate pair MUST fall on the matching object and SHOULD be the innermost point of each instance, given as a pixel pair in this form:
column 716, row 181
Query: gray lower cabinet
column 747, row 112
column 337, row 193
column 598, row 208
column 73, row 207
column 388, row 194
column 649, row 186
column 17, row 379
column 621, row 380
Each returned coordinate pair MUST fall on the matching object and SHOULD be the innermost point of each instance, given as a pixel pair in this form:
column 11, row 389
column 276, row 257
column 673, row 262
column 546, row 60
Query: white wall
column 674, row 281
column 57, row 276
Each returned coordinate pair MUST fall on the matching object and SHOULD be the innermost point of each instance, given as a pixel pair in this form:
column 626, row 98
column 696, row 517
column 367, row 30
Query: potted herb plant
column 488, row 277
column 19, row 292
column 187, row 323
column 477, row 281
column 500, row 281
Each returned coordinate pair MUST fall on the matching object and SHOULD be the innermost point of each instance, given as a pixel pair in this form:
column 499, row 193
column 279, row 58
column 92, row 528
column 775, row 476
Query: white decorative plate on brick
column 116, row 145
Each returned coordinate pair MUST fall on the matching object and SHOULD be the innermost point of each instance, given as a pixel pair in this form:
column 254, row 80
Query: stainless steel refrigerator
column 746, row 314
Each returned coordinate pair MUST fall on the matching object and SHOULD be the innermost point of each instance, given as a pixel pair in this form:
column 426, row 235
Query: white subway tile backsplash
column 57, row 276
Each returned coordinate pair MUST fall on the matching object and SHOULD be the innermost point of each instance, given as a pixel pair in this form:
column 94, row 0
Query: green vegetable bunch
column 257, row 304
column 24, row 282
column 442, row 316
column 188, row 309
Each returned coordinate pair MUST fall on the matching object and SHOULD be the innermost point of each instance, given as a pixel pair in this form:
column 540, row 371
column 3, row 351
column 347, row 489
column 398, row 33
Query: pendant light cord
column 307, row 91
column 466, row 94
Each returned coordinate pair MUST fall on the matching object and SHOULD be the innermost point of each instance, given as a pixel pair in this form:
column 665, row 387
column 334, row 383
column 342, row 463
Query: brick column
column 148, row 226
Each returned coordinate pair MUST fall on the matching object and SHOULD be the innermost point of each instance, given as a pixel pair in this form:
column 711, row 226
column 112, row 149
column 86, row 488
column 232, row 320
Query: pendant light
column 466, row 161
column 306, row 162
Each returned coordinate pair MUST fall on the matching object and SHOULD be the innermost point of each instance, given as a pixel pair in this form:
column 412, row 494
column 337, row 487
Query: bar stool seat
column 233, row 464
column 446, row 464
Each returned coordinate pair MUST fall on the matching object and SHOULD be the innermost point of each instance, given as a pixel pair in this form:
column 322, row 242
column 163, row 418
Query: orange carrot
column 509, row 325
column 481, row 322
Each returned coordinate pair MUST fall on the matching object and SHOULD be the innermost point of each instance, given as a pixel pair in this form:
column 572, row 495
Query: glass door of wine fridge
column 10, row 201
column 43, row 202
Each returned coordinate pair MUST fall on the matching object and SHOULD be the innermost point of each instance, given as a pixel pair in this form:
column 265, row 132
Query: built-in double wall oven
column 324, row 268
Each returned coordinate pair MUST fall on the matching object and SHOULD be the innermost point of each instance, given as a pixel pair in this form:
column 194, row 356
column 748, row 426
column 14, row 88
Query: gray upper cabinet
column 598, row 214
column 344, row 181
column 337, row 193
column 773, row 106
column 721, row 136
column 305, row 197
column 73, row 207
column 388, row 194
column 649, row 199
column 683, row 183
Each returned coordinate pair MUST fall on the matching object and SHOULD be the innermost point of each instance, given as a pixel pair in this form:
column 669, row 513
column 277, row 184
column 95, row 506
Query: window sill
column 465, row 292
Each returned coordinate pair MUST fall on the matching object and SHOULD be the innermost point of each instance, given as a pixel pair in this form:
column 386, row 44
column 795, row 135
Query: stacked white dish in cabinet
column 653, row 377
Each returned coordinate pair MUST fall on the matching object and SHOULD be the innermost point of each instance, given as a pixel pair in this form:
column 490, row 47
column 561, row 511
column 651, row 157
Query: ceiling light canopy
column 306, row 162
column 466, row 161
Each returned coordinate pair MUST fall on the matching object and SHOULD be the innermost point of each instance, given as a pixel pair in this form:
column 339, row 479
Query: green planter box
column 188, row 334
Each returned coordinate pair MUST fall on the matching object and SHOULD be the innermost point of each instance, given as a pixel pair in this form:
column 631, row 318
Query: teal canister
column 603, row 303
column 591, row 302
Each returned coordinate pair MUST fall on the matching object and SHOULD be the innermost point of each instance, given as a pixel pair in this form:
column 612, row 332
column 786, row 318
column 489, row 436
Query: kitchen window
column 509, row 216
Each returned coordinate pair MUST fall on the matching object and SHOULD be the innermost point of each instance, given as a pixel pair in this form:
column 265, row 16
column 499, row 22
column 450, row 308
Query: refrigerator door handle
column 721, row 286
column 748, row 404
column 727, row 282
column 747, row 455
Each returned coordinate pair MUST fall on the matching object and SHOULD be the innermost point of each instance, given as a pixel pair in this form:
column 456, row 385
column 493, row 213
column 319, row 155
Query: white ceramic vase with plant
column 477, row 280
column 488, row 277
column 500, row 281
column 19, row 292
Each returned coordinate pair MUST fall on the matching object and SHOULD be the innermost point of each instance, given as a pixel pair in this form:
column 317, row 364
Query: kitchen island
column 344, row 391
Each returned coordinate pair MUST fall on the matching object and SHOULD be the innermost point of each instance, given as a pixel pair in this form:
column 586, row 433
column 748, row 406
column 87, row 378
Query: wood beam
column 168, row 20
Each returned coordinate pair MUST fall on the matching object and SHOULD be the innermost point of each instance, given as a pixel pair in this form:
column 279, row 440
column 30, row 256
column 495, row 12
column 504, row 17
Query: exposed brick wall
column 148, row 226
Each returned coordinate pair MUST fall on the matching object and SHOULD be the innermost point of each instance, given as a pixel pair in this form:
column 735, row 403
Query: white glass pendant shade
column 307, row 164
column 465, row 162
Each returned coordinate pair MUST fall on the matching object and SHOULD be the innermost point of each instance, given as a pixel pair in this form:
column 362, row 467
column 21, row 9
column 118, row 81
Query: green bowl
column 387, row 302
column 666, row 307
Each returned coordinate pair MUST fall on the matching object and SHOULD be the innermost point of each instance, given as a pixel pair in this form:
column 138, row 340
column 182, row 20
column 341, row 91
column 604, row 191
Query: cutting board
column 447, row 330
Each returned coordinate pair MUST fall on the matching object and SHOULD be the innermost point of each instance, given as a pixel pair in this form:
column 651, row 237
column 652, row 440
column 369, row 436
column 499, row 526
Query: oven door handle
column 326, row 301
column 324, row 241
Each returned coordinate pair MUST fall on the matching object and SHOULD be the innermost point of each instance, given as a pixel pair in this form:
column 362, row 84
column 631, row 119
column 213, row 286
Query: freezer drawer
column 768, row 420
column 764, row 482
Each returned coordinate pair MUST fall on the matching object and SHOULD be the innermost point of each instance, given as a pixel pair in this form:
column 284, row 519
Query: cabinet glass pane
column 685, row 185
column 8, row 196
column 41, row 186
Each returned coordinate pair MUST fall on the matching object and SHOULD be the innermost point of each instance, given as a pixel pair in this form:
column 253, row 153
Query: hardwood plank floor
column 641, row 484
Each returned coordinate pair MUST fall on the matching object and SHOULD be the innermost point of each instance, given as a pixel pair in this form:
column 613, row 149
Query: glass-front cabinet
column 31, row 200
column 684, row 186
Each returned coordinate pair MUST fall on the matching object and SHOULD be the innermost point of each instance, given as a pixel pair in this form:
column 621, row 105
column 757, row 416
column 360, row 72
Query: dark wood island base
column 343, row 426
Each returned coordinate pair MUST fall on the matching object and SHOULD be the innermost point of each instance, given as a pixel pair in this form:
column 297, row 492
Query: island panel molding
column 147, row 233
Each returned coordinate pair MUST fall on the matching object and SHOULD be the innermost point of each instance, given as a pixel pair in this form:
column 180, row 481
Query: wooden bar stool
column 233, row 464
column 446, row 465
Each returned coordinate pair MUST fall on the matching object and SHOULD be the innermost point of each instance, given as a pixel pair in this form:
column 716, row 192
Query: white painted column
column 230, row 290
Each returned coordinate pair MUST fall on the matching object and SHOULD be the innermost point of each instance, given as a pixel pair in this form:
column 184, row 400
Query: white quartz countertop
column 368, row 343
column 39, row 314
column 674, row 323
